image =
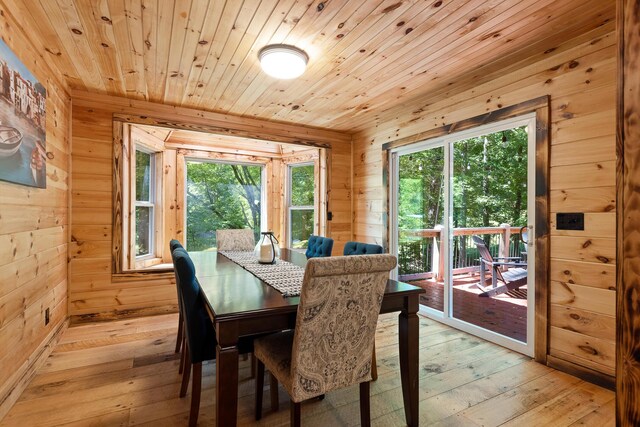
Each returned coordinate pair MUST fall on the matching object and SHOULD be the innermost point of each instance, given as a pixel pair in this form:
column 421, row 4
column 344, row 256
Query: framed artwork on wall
column 23, row 151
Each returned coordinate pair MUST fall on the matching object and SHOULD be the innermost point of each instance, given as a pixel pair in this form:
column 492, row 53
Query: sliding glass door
column 420, row 216
column 461, row 209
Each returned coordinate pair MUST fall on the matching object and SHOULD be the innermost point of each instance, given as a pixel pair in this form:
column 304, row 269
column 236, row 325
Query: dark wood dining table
column 240, row 305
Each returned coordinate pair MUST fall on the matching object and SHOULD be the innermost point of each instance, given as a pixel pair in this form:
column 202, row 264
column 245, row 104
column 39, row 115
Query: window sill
column 157, row 271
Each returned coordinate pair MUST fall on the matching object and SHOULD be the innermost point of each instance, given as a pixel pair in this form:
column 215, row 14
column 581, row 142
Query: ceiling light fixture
column 283, row 61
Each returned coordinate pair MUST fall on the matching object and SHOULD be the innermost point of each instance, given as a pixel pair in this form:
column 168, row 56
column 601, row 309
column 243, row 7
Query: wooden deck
column 505, row 314
column 125, row 373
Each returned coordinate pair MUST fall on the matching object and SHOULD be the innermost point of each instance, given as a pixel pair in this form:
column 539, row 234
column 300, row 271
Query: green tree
column 302, row 194
column 489, row 187
column 221, row 196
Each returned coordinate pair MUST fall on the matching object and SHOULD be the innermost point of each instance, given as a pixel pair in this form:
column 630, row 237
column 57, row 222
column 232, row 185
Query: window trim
column 124, row 259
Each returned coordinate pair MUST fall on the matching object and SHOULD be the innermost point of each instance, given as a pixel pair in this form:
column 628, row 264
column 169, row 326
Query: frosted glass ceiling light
column 283, row 61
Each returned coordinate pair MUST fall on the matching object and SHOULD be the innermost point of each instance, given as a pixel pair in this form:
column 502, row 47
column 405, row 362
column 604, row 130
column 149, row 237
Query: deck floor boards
column 124, row 373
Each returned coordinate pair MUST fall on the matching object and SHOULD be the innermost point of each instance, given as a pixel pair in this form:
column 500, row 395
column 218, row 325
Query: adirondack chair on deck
column 511, row 279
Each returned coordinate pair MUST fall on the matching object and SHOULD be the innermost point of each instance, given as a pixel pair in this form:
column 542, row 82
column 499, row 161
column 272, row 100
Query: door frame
column 540, row 107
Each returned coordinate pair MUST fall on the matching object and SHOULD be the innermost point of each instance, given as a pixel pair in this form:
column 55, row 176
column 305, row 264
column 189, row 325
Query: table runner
column 284, row 276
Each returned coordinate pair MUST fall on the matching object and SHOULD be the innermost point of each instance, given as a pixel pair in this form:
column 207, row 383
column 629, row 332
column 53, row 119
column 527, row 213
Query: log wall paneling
column 628, row 180
column 582, row 179
column 34, row 231
column 93, row 292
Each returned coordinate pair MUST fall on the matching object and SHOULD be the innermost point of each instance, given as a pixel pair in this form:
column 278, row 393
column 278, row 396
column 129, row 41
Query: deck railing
column 421, row 252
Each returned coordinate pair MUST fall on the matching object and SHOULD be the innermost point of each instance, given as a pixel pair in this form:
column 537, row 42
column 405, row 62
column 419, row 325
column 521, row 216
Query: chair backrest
column 319, row 247
column 241, row 239
column 200, row 332
column 357, row 248
column 336, row 323
column 483, row 250
column 174, row 244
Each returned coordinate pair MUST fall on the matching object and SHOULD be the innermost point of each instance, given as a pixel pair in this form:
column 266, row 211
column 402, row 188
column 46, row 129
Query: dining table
column 241, row 305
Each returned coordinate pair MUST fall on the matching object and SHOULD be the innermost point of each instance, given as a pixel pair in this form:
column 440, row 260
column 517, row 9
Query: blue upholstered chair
column 357, row 248
column 200, row 343
column 319, row 247
column 173, row 245
column 200, row 335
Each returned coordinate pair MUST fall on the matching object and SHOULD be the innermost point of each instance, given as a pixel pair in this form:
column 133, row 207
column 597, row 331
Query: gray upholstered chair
column 332, row 343
column 357, row 248
column 241, row 239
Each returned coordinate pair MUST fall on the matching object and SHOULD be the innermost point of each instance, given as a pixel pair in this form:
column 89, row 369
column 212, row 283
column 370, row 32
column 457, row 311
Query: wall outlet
column 46, row 317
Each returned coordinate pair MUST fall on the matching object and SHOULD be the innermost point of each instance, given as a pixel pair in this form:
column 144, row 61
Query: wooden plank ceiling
column 367, row 57
column 188, row 139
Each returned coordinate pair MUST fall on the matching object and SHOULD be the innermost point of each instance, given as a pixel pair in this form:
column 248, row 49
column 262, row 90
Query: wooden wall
column 93, row 292
column 580, row 77
column 33, row 235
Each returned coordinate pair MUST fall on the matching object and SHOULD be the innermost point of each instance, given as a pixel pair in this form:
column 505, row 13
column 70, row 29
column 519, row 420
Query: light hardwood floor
column 125, row 373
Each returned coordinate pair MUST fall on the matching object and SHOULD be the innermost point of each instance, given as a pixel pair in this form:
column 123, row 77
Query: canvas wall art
column 23, row 151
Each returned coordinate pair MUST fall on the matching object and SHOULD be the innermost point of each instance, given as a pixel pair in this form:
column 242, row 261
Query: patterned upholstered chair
column 331, row 345
column 319, row 247
column 235, row 240
column 173, row 245
column 200, row 344
column 357, row 248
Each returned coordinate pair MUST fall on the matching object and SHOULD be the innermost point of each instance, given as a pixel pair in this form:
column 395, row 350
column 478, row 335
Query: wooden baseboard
column 25, row 373
column 587, row 374
column 107, row 316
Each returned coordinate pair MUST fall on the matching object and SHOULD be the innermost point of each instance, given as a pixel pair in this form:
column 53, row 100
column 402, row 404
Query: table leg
column 227, row 384
column 408, row 337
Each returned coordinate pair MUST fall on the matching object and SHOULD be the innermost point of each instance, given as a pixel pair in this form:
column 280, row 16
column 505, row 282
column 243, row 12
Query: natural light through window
column 301, row 217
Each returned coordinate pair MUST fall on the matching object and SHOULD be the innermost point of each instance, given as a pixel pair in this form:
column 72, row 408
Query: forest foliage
column 488, row 185
column 221, row 196
column 229, row 196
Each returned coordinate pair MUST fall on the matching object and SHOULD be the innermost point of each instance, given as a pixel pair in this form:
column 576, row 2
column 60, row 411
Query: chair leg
column 365, row 406
column 179, row 338
column 273, row 385
column 183, row 359
column 196, row 385
column 374, row 364
column 295, row 414
column 259, row 388
column 186, row 372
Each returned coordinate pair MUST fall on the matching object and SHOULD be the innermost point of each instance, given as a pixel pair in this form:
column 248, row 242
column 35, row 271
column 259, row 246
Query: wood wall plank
column 33, row 232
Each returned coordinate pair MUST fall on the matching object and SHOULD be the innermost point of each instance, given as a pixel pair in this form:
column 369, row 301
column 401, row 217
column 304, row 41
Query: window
column 144, row 203
column 185, row 185
column 222, row 196
column 301, row 205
